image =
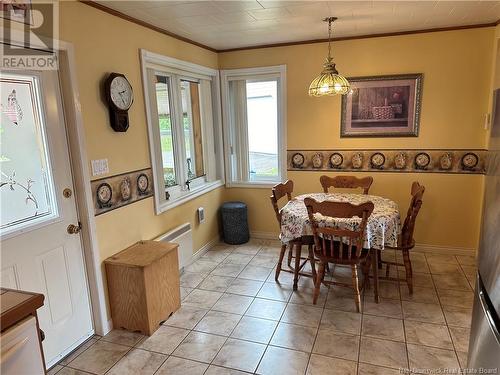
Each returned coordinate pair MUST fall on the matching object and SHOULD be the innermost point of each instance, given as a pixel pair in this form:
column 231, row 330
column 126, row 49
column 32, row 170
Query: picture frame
column 382, row 106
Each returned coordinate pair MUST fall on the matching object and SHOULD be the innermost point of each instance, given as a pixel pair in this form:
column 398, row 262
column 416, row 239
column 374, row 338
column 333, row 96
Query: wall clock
column 104, row 194
column 119, row 96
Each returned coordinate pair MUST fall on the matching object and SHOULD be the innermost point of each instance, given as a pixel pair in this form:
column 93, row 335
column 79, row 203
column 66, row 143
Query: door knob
column 74, row 229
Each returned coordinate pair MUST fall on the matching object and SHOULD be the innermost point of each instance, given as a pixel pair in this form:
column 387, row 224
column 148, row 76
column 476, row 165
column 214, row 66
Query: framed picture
column 383, row 106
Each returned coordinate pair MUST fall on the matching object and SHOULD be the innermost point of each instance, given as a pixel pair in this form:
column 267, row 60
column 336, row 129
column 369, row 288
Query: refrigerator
column 484, row 343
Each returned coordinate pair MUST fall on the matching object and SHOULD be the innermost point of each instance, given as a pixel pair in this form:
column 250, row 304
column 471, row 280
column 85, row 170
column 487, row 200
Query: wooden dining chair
column 280, row 191
column 346, row 182
column 405, row 240
column 339, row 245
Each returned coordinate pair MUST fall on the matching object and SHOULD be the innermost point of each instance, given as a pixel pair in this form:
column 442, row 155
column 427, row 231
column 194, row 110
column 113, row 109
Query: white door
column 37, row 252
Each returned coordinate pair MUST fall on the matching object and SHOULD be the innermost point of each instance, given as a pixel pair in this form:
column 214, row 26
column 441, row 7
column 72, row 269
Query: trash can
column 235, row 223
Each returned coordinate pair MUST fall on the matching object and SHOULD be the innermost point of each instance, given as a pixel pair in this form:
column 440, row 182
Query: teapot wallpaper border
column 125, row 190
column 464, row 161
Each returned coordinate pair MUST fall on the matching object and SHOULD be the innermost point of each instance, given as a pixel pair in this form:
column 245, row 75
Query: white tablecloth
column 383, row 224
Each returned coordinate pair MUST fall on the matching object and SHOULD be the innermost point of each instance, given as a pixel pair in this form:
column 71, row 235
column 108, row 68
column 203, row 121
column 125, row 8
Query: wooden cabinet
column 21, row 337
column 143, row 285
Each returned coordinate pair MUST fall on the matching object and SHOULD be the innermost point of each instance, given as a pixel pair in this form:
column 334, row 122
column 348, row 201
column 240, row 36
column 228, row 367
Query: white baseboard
column 108, row 327
column 435, row 249
column 264, row 235
column 201, row 251
column 214, row 241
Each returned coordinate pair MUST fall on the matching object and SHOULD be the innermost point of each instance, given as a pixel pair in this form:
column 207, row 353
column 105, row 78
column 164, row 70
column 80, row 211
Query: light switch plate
column 100, row 167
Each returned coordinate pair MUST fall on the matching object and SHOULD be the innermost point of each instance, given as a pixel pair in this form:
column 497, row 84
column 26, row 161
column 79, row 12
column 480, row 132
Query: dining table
column 383, row 226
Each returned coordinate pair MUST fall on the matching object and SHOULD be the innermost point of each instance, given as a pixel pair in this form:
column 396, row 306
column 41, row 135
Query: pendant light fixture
column 329, row 82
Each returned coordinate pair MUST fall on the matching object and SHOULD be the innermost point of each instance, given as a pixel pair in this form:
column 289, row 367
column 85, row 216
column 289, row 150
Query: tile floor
column 236, row 319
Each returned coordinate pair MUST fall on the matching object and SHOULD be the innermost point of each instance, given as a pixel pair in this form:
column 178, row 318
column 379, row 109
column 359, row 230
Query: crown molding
column 121, row 15
column 126, row 17
column 367, row 36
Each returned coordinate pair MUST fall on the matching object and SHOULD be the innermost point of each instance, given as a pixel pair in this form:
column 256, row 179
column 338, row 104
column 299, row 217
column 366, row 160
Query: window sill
column 253, row 185
column 189, row 195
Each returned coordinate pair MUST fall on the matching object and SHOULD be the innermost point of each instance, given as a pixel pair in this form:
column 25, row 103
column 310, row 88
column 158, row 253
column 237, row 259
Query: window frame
column 253, row 74
column 177, row 70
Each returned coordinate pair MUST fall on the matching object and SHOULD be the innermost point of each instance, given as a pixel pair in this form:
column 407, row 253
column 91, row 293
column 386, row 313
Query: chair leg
column 298, row 253
column 319, row 279
column 311, row 259
column 387, row 269
column 290, row 254
column 375, row 275
column 355, row 283
column 409, row 272
column 379, row 255
column 280, row 261
column 366, row 271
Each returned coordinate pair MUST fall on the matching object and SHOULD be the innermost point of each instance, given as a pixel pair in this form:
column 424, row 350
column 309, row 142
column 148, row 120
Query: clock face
column 121, row 93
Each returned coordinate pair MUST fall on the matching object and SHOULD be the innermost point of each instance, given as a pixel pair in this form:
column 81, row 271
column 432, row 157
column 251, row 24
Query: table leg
column 375, row 273
column 298, row 254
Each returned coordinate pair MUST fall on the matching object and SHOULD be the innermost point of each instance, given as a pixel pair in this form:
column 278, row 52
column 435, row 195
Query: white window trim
column 232, row 74
column 151, row 60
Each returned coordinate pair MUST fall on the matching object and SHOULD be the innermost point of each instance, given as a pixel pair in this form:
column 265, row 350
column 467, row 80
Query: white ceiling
column 232, row 24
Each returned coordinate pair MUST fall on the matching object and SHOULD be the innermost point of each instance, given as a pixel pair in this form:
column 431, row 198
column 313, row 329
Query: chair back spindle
column 346, row 182
column 330, row 242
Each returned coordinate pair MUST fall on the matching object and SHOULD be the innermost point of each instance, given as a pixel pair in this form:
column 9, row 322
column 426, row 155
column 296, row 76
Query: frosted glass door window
column 27, row 195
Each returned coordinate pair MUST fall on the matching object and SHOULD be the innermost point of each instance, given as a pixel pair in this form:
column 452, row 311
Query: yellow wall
column 103, row 44
column 452, row 117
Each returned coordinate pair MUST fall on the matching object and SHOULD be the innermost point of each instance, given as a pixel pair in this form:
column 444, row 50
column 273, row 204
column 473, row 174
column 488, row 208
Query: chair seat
column 340, row 249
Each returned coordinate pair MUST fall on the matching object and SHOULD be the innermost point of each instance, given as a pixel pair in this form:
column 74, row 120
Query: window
column 27, row 186
column 184, row 130
column 254, row 114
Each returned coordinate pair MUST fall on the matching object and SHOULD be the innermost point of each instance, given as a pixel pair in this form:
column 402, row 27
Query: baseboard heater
column 183, row 236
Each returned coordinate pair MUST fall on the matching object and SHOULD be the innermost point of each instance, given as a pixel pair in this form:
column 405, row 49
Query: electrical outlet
column 100, row 167
column 201, row 215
